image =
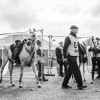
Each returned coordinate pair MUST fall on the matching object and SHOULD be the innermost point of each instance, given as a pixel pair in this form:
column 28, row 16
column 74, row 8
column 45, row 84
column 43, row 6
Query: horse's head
column 31, row 38
column 32, row 34
column 30, row 44
column 87, row 42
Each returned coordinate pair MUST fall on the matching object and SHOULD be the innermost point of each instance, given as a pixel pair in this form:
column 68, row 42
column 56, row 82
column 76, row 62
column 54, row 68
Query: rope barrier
column 53, row 58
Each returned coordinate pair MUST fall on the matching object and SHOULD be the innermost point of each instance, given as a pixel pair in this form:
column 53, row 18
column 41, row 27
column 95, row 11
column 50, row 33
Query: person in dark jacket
column 16, row 49
column 71, row 52
column 59, row 56
column 95, row 56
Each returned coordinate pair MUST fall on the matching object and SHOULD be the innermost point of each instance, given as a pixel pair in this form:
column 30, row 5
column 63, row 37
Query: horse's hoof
column 91, row 83
column 39, row 86
column 20, row 87
column 84, row 80
column 13, row 84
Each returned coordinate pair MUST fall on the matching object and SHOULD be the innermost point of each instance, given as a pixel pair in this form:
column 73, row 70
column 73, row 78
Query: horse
column 84, row 58
column 27, row 56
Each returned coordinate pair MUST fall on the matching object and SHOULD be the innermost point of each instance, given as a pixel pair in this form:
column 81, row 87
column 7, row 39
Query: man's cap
column 16, row 41
column 74, row 27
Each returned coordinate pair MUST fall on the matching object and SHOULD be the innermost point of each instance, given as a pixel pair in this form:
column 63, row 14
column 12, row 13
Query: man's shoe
column 62, row 76
column 98, row 77
column 66, row 87
column 81, row 87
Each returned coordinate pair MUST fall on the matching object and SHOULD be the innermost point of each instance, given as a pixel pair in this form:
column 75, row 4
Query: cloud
column 20, row 19
column 18, row 15
column 54, row 16
column 90, row 26
column 91, row 9
column 95, row 12
column 72, row 11
column 68, row 9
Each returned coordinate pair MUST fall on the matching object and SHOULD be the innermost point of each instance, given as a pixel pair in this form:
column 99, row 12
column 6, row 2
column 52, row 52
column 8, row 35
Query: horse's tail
column 5, row 57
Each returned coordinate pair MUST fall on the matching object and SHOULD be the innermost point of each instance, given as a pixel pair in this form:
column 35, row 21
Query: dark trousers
column 62, row 65
column 39, row 70
column 95, row 61
column 65, row 66
column 73, row 69
column 98, row 63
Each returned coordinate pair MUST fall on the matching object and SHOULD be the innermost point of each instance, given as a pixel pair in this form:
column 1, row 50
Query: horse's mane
column 83, row 58
column 83, row 48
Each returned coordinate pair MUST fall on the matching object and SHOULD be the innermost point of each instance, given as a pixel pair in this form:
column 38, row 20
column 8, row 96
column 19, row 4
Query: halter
column 30, row 44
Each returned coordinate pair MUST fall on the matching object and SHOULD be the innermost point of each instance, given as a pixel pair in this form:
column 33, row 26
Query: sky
column 53, row 16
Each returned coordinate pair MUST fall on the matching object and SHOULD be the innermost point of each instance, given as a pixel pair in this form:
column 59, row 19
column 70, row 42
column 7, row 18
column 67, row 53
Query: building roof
column 11, row 38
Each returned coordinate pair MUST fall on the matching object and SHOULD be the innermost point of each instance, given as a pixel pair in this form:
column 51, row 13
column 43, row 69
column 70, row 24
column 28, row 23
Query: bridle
column 30, row 45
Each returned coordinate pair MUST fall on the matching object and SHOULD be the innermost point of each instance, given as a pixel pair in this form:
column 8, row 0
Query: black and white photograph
column 49, row 49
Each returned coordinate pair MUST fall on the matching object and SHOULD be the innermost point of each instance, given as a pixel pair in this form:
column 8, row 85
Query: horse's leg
column 21, row 74
column 34, row 67
column 2, row 68
column 11, row 67
column 84, row 73
column 4, row 62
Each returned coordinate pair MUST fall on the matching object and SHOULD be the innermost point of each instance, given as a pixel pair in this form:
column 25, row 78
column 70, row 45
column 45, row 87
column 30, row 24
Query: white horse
column 27, row 56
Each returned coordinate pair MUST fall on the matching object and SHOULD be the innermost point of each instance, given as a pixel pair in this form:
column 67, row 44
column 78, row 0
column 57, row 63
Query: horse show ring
column 29, row 92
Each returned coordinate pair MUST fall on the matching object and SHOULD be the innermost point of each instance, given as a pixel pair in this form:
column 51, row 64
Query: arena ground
column 51, row 90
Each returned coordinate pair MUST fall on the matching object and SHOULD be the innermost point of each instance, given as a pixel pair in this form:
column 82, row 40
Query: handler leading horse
column 26, row 56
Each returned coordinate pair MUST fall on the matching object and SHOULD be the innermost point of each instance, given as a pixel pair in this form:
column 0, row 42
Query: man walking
column 71, row 52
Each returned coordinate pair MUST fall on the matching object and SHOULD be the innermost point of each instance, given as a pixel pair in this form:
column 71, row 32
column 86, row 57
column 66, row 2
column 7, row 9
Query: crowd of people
column 68, row 53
